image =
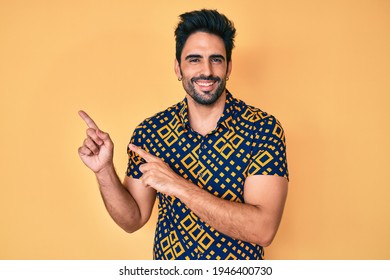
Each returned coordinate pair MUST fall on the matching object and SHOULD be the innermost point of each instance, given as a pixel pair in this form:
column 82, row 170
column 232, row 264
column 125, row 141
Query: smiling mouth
column 205, row 84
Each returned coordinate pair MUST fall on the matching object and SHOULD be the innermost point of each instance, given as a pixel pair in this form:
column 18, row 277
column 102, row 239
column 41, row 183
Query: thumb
column 103, row 135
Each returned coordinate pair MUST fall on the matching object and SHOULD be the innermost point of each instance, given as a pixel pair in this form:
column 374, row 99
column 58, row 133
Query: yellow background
column 322, row 67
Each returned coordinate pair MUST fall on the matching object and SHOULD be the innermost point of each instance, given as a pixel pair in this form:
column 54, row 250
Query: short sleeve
column 134, row 159
column 268, row 155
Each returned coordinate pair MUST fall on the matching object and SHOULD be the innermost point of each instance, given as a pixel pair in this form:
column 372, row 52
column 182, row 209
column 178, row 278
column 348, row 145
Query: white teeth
column 205, row 84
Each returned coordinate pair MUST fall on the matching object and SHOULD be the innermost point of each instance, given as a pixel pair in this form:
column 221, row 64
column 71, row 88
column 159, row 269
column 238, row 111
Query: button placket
column 201, row 145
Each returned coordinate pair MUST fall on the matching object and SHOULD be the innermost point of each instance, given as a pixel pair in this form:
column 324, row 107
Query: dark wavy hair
column 210, row 21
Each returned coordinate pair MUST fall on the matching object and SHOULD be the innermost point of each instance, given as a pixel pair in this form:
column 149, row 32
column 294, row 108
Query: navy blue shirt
column 245, row 142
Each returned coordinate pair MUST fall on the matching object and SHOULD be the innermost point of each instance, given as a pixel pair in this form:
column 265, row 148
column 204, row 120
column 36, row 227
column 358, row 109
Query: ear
column 229, row 68
column 178, row 70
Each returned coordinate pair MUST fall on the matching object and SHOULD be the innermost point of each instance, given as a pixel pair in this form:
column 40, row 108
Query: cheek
column 188, row 73
column 221, row 70
column 191, row 69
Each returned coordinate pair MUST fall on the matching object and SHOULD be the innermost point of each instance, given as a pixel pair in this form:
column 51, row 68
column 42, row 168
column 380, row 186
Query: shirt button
column 201, row 227
column 200, row 174
column 204, row 147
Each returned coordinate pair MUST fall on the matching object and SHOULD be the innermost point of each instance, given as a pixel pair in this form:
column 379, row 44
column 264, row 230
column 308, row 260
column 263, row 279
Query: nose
column 207, row 69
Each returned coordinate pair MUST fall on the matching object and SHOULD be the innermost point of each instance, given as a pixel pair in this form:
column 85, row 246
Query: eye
column 194, row 60
column 216, row 60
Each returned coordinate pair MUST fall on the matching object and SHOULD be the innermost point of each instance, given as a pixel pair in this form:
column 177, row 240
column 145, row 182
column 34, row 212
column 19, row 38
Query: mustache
column 206, row 78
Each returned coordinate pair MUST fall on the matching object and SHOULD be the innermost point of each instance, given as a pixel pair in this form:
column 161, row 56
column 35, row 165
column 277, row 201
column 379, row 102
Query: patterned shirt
column 246, row 141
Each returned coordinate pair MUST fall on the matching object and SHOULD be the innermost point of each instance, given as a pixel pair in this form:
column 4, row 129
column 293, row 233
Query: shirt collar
column 224, row 120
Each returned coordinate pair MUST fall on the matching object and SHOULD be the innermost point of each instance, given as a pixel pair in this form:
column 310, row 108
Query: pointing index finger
column 88, row 120
column 144, row 154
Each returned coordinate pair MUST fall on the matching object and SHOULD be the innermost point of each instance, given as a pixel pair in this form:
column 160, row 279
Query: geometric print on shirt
column 245, row 142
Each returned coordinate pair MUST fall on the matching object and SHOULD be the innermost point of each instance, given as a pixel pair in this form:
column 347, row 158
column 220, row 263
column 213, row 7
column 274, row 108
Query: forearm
column 238, row 220
column 118, row 201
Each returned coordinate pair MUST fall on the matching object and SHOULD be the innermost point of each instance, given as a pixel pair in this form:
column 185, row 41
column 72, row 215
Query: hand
column 97, row 149
column 157, row 174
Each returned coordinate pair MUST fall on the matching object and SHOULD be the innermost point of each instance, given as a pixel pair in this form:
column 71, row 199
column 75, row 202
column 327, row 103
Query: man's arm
column 129, row 204
column 256, row 220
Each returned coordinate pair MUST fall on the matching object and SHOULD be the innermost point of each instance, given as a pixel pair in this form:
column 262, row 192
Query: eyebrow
column 193, row 56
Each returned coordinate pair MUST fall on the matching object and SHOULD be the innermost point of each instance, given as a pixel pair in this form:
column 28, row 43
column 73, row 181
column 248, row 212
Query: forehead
column 204, row 44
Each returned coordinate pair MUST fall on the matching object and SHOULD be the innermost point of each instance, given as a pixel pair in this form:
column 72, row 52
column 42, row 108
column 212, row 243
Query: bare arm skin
column 129, row 204
column 256, row 220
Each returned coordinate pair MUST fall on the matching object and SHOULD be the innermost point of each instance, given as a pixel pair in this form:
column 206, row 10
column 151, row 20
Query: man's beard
column 205, row 97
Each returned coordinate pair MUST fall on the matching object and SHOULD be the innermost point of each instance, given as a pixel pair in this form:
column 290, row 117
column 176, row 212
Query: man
column 217, row 165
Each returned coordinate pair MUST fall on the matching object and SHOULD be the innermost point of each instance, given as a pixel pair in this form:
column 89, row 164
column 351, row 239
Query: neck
column 204, row 118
